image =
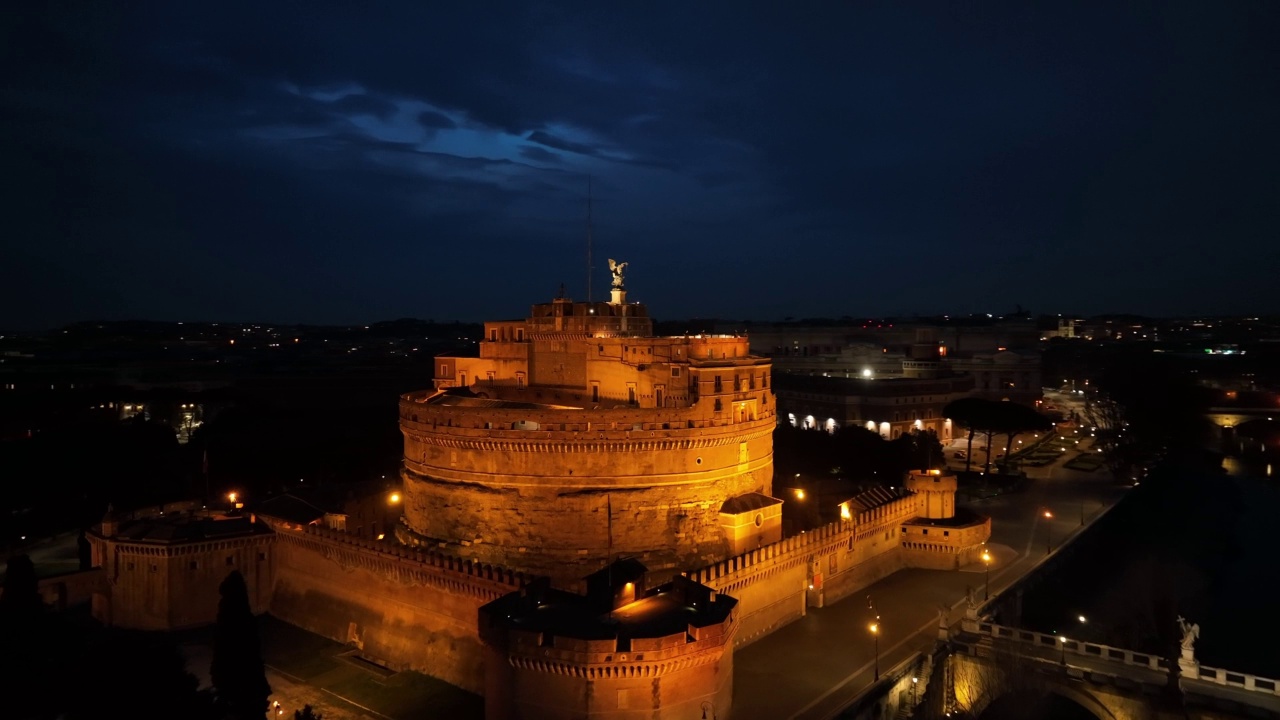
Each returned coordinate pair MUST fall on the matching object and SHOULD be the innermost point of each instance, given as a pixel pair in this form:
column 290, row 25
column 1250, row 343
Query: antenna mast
column 588, row 238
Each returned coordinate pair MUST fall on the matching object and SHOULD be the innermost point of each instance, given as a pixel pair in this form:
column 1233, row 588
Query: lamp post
column 1063, row 643
column 1081, row 512
column 914, row 680
column 875, row 635
column 986, row 587
column 1048, row 540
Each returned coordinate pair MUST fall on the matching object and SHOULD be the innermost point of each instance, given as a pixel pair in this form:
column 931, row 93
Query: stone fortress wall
column 402, row 608
column 558, row 491
column 410, row 609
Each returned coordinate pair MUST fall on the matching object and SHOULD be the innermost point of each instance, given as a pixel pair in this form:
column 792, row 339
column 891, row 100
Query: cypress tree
column 237, row 669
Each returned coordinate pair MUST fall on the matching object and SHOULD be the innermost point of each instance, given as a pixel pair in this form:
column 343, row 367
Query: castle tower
column 937, row 490
column 577, row 437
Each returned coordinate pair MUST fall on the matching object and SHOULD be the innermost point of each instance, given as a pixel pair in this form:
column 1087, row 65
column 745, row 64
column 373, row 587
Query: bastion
column 576, row 436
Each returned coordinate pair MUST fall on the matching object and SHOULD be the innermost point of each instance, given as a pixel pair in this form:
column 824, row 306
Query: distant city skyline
column 242, row 162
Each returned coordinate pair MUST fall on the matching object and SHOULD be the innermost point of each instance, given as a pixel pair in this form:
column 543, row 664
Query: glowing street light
column 986, row 560
column 1048, row 544
column 393, row 498
column 875, row 634
column 1064, row 648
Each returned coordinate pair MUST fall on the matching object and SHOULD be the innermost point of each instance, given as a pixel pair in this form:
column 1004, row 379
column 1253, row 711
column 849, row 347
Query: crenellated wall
column 775, row 584
column 558, row 492
column 402, row 608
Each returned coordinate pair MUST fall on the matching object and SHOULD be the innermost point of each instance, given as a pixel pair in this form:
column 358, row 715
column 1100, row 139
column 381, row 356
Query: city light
column 394, row 498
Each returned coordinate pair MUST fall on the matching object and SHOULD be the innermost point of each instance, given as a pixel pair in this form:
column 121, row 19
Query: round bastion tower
column 577, row 437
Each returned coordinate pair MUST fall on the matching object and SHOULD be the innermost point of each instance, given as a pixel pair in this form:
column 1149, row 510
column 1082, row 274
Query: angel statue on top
column 1190, row 633
column 617, row 268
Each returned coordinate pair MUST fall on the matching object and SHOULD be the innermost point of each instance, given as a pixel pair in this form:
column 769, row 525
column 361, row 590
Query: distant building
column 893, row 380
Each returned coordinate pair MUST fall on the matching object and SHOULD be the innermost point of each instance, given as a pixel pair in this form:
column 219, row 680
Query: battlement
column 409, row 565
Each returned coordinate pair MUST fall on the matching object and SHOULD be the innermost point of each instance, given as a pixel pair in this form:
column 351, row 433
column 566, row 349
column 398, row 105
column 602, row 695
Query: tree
column 967, row 413
column 306, row 713
column 21, row 599
column 978, row 415
column 122, row 673
column 1013, row 419
column 237, row 669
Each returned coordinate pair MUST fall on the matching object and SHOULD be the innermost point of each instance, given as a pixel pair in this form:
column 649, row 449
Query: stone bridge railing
column 1191, row 672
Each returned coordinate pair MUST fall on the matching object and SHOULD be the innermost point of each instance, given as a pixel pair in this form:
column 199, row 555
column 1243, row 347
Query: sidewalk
column 306, row 669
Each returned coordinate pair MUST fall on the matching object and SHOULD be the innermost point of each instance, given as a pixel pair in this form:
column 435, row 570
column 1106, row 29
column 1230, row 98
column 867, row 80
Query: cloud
column 436, row 120
column 364, row 104
column 538, row 154
column 551, row 141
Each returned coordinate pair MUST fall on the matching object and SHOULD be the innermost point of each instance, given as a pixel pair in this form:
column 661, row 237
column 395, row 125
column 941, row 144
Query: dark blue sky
column 296, row 162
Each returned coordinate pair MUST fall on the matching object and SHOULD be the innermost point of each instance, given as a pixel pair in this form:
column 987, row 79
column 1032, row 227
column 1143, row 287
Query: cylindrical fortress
column 576, row 437
column 559, row 491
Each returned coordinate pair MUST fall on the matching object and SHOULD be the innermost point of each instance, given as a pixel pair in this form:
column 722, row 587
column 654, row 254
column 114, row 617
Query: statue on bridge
column 1190, row 633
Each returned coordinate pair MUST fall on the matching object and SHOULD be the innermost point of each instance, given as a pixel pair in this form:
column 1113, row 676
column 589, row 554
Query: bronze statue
column 617, row 268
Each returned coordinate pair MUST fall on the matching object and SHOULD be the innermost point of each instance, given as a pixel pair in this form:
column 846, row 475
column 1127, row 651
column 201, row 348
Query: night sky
column 302, row 162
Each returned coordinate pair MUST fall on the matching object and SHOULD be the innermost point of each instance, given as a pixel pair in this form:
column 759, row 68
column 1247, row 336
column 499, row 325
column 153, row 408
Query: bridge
column 986, row 661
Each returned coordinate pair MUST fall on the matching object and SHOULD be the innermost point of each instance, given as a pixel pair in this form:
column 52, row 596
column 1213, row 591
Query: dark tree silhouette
column 1013, row 419
column 21, row 599
column 978, row 415
column 134, row 675
column 237, row 669
column 306, row 713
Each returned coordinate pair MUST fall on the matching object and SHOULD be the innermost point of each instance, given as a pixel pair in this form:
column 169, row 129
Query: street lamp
column 1048, row 540
column 986, row 589
column 393, row 498
column 1064, row 649
column 875, row 634
column 914, row 680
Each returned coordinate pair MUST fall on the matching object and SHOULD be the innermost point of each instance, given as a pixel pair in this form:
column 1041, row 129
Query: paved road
column 814, row 667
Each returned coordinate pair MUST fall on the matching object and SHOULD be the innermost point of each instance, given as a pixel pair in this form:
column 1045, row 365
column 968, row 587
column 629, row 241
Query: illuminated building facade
column 577, row 436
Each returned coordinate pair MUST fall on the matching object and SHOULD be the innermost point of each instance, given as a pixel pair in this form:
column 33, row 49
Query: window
column 493, row 336
column 719, row 387
column 193, row 565
column 675, row 371
column 631, row 393
column 231, row 560
column 262, row 556
column 719, row 406
column 520, row 379
column 595, row 392
column 519, row 334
